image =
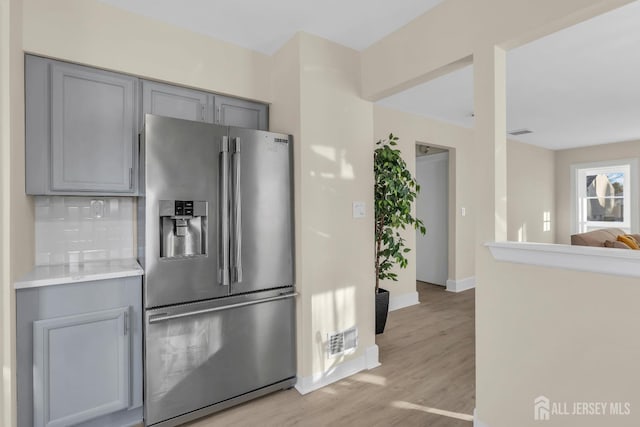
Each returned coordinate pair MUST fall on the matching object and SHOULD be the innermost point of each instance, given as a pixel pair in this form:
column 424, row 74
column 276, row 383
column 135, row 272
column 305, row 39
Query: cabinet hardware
column 165, row 316
column 126, row 323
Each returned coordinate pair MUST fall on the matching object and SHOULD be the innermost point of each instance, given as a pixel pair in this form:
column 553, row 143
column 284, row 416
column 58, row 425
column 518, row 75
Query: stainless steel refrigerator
column 216, row 243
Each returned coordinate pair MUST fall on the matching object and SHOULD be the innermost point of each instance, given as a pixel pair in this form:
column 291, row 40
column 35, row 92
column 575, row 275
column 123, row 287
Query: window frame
column 580, row 171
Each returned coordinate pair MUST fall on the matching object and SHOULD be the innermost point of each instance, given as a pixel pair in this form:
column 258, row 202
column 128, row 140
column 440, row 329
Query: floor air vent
column 342, row 342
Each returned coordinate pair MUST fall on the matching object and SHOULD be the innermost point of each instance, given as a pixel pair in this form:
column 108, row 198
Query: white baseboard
column 371, row 357
column 476, row 421
column 368, row 360
column 461, row 285
column 402, row 301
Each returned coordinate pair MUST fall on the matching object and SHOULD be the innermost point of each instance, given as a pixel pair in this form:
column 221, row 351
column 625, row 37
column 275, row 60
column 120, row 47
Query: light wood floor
column 427, row 377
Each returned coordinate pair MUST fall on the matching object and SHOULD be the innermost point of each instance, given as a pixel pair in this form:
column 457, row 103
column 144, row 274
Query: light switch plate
column 359, row 209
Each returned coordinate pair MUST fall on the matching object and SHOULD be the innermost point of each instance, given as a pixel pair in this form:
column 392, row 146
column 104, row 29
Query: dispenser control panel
column 184, row 207
column 175, row 208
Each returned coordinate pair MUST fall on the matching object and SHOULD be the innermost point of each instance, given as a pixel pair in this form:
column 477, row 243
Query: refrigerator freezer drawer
column 199, row 358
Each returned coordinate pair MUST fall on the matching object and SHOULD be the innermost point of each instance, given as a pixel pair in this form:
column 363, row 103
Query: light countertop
column 47, row 275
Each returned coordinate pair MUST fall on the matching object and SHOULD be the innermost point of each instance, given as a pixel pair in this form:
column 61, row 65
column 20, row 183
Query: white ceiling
column 264, row 26
column 577, row 87
column 448, row 98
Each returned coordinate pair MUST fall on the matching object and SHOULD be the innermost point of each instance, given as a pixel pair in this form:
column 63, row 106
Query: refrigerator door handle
column 237, row 214
column 223, row 204
column 166, row 316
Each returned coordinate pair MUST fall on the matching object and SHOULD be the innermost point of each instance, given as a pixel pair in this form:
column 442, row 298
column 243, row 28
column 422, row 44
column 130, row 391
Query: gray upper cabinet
column 241, row 113
column 189, row 104
column 82, row 125
column 80, row 128
column 177, row 102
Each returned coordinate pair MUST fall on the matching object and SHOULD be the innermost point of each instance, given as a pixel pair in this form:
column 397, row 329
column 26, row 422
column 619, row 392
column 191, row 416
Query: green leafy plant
column 395, row 191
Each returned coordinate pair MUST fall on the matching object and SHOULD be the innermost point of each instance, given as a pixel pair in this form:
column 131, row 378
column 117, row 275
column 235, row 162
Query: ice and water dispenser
column 183, row 228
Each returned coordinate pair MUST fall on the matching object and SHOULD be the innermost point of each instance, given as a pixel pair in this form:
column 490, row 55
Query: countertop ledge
column 611, row 261
column 47, row 275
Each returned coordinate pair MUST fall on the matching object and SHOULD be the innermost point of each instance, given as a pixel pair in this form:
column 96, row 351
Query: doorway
column 432, row 207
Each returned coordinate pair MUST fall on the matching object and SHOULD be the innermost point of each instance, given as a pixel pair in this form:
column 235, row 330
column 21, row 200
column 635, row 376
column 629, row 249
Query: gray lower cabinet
column 241, row 113
column 177, row 102
column 81, row 129
column 79, row 349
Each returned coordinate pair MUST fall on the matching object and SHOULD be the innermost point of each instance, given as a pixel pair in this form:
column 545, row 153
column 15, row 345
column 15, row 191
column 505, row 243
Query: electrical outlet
column 97, row 208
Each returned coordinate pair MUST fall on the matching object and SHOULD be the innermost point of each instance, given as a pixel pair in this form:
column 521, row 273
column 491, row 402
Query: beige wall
column 336, row 168
column 5, row 169
column 564, row 160
column 284, row 116
column 16, row 211
column 316, row 97
column 531, row 187
column 96, row 34
column 411, row 129
column 567, row 335
column 408, row 56
column 451, row 32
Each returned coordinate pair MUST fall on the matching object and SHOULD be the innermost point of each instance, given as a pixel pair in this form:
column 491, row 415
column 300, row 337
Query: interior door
column 432, row 207
column 261, row 217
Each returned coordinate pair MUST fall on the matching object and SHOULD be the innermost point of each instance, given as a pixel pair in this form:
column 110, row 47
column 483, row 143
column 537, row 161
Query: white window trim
column 631, row 187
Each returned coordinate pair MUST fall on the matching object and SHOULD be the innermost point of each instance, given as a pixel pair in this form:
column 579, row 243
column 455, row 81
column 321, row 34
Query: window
column 604, row 196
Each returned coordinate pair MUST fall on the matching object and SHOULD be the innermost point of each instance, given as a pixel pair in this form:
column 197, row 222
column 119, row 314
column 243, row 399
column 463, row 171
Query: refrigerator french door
column 216, row 241
column 261, row 221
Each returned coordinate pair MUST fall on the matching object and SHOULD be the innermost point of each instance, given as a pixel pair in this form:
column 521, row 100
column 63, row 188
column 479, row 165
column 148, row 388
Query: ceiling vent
column 520, row 132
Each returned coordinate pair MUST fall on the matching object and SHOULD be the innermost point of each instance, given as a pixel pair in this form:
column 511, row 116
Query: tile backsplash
column 77, row 229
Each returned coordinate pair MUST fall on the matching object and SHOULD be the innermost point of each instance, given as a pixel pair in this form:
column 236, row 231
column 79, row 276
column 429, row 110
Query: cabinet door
column 241, row 113
column 81, row 367
column 92, row 130
column 177, row 102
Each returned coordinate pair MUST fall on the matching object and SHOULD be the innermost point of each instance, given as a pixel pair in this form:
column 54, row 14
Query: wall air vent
column 520, row 132
column 342, row 342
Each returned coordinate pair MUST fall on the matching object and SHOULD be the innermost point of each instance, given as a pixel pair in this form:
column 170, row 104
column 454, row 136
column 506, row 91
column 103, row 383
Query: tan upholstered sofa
column 599, row 237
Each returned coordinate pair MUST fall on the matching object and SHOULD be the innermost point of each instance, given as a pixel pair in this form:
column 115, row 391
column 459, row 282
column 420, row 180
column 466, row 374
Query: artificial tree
column 395, row 191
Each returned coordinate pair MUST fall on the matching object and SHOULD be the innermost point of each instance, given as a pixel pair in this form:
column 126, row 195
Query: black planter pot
column 382, row 309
